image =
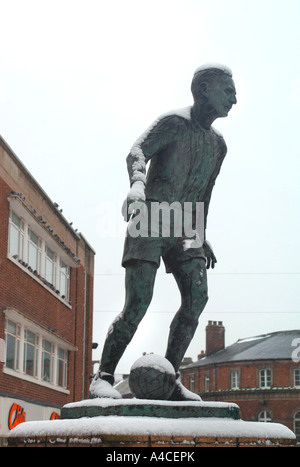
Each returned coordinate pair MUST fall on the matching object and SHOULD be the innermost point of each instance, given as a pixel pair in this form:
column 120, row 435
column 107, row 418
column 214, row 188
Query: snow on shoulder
column 136, row 148
column 139, row 166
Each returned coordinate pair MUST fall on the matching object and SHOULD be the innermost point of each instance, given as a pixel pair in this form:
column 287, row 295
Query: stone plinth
column 160, row 442
column 132, row 429
column 149, row 408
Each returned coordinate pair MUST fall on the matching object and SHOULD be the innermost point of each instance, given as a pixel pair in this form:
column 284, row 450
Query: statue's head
column 213, row 86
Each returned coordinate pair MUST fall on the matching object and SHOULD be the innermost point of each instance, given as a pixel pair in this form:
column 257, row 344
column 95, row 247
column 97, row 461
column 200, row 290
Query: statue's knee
column 123, row 329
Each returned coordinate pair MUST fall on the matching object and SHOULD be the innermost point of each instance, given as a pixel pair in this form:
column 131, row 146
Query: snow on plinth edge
column 107, row 402
column 115, row 425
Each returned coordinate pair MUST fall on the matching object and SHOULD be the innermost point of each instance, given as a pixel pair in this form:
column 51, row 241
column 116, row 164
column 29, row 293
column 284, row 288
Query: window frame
column 296, row 383
column 192, row 382
column 234, row 380
column 20, row 232
column 64, row 272
column 264, row 416
column 35, row 246
column 52, row 261
column 296, row 425
column 51, row 356
column 40, row 336
column 206, row 383
column 266, row 375
column 16, row 344
column 62, row 363
column 30, row 348
column 61, row 271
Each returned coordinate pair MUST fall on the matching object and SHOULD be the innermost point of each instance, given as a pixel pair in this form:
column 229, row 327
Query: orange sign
column 16, row 416
column 54, row 416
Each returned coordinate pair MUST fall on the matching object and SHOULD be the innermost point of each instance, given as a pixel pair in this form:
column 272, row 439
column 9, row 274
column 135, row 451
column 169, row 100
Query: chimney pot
column 215, row 337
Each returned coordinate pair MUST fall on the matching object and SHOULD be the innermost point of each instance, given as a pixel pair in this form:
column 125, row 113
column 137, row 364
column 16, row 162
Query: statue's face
column 221, row 95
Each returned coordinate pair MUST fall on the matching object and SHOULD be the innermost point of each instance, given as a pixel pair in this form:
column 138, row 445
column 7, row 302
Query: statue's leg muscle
column 139, row 282
column 192, row 282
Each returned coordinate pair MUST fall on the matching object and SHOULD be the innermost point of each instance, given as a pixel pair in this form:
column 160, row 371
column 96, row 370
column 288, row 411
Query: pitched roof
column 273, row 346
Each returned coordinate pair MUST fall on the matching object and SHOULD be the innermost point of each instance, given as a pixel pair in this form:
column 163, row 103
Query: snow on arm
column 162, row 132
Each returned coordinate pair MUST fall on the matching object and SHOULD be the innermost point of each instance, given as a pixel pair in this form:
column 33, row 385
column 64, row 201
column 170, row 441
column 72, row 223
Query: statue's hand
column 136, row 193
column 210, row 256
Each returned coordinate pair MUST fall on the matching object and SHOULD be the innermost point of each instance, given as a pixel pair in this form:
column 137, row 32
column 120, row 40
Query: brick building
column 46, row 301
column 261, row 374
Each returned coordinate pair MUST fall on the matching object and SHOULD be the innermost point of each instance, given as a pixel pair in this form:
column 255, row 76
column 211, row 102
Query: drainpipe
column 84, row 337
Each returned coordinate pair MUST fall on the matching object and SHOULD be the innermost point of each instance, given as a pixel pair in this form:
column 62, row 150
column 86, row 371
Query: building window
column 47, row 361
column 31, row 342
column 33, row 253
column 192, row 383
column 297, row 378
column 64, row 280
column 206, row 383
column 43, row 360
column 297, row 426
column 265, row 378
column 50, row 266
column 16, row 236
column 12, row 333
column 264, row 416
column 235, row 379
column 62, row 368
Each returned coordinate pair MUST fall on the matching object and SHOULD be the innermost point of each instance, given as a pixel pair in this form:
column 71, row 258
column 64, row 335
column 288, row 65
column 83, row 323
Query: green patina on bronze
column 152, row 410
column 185, row 155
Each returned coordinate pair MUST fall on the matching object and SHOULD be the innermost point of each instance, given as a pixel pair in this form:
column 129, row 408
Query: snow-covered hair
column 208, row 72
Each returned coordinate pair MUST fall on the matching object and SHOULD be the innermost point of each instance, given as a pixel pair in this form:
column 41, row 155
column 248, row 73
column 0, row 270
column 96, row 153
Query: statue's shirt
column 185, row 159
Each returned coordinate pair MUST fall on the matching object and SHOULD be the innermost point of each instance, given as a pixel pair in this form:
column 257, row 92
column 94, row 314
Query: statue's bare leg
column 192, row 282
column 139, row 283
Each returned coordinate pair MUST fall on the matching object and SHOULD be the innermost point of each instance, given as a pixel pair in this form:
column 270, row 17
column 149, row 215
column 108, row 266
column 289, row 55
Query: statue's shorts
column 173, row 250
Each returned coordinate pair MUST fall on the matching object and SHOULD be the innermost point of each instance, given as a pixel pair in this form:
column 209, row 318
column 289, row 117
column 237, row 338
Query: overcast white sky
column 81, row 80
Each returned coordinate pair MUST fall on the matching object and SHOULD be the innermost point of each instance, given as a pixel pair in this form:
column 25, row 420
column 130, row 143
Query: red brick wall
column 20, row 291
column 282, row 404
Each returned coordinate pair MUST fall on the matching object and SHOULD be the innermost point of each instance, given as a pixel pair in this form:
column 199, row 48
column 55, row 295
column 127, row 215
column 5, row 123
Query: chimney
column 201, row 354
column 215, row 337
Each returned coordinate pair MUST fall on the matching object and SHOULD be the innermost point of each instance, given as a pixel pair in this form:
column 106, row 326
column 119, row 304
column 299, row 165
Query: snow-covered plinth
column 106, row 402
column 152, row 426
column 104, row 431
